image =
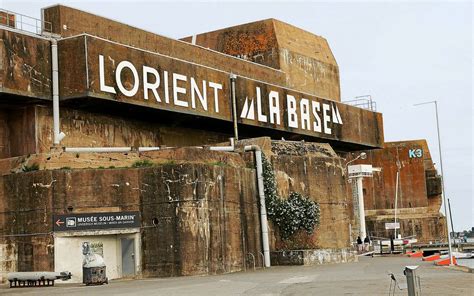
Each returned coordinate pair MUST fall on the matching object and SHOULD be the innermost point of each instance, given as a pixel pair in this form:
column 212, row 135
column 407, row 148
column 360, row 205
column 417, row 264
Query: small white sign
column 392, row 225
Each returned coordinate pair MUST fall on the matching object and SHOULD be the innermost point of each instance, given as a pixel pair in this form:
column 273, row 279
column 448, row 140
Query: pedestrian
column 359, row 244
column 366, row 243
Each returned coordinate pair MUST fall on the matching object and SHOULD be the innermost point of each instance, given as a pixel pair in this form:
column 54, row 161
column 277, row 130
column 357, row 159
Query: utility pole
column 442, row 179
column 451, row 218
column 396, row 201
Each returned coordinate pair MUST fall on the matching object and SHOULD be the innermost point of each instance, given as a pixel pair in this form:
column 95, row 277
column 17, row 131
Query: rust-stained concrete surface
column 27, row 63
column 69, row 22
column 79, row 80
column 419, row 196
column 199, row 209
column 322, row 179
column 206, row 212
column 305, row 58
column 316, row 171
column 205, row 202
column 25, row 67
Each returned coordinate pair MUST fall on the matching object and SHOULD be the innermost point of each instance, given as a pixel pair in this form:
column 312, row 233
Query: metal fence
column 364, row 102
column 25, row 23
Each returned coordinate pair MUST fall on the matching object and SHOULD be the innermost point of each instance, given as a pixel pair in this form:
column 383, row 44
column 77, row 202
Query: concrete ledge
column 461, row 268
column 313, row 257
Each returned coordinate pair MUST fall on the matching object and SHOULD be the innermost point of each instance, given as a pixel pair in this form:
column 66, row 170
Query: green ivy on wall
column 292, row 214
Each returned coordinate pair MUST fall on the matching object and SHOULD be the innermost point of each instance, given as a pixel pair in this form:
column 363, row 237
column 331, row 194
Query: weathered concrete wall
column 29, row 129
column 211, row 224
column 8, row 259
column 419, row 196
column 255, row 42
column 17, row 131
column 379, row 191
column 25, row 66
column 207, row 213
column 316, row 171
column 309, row 64
column 322, row 180
column 353, row 126
column 4, row 135
column 80, row 77
column 305, row 58
column 314, row 117
column 70, row 22
column 89, row 129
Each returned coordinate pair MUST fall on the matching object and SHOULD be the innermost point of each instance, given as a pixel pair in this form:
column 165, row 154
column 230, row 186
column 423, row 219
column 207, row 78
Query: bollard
column 412, row 283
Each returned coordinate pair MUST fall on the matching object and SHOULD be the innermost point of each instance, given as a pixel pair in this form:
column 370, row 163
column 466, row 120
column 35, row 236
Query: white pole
column 57, row 135
column 442, row 179
column 396, row 203
column 360, row 194
column 444, row 190
column 263, row 208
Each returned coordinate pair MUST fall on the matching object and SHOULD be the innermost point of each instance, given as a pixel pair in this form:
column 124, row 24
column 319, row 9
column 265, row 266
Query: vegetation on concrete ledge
column 218, row 163
column 291, row 215
column 142, row 163
column 30, row 168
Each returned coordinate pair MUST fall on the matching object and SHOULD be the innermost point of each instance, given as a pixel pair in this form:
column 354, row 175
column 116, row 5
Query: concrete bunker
column 198, row 209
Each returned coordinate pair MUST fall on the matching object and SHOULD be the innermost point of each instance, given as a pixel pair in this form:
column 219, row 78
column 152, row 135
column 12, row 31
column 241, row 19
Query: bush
column 142, row 163
column 290, row 215
column 31, row 168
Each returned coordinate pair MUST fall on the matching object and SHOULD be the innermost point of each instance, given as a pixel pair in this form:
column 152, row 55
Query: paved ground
column 367, row 277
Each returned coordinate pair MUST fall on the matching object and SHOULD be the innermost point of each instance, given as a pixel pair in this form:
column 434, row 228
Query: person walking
column 359, row 244
column 366, row 243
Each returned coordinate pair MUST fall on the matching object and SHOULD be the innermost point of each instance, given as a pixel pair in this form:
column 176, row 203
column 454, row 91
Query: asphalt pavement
column 369, row 276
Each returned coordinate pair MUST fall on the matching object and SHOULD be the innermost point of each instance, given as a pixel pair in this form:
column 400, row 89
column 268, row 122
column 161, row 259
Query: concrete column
column 360, row 195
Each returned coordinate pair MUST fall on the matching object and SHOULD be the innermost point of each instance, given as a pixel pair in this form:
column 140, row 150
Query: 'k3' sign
column 415, row 153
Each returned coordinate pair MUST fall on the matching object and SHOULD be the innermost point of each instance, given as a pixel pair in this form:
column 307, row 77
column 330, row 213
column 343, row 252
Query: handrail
column 253, row 259
column 24, row 22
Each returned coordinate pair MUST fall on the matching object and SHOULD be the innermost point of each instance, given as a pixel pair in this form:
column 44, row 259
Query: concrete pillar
column 360, row 195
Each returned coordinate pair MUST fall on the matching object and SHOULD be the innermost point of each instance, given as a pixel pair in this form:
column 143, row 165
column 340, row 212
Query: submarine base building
column 116, row 140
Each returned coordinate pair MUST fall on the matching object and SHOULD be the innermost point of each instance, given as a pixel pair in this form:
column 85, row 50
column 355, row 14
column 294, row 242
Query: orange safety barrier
column 444, row 262
column 432, row 257
column 418, row 254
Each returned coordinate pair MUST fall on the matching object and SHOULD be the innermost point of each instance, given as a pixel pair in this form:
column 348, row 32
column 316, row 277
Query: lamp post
column 442, row 177
column 362, row 155
column 358, row 172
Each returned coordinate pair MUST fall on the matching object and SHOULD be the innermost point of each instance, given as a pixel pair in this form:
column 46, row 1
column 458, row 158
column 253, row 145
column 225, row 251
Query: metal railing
column 364, row 102
column 24, row 23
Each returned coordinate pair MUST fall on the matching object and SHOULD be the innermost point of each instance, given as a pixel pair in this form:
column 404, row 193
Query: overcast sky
column 401, row 53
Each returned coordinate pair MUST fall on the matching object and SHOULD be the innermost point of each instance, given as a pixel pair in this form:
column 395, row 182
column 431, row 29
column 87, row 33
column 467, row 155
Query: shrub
column 290, row 215
column 31, row 168
column 142, row 163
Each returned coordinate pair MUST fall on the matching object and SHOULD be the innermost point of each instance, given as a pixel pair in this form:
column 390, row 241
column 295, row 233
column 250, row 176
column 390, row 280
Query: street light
column 442, row 177
column 358, row 172
column 362, row 155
